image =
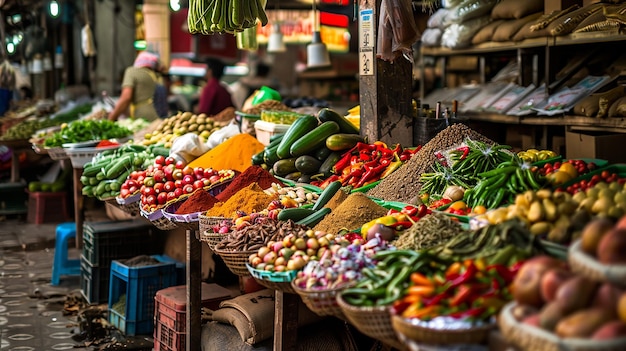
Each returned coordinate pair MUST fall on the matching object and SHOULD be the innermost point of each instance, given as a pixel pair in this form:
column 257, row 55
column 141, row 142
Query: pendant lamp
column 317, row 52
column 275, row 42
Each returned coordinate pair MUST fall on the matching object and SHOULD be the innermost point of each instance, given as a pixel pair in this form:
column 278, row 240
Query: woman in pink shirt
column 215, row 97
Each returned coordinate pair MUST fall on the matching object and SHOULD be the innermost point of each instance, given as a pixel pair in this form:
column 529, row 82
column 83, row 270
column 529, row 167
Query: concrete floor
column 31, row 309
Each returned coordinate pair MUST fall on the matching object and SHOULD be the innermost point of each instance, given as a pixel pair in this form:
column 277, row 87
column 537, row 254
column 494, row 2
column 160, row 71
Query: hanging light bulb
column 54, row 8
column 275, row 42
column 317, row 52
column 175, row 5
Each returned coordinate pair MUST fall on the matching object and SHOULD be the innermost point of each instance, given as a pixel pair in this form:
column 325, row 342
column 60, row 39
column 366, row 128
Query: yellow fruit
column 559, row 177
column 458, row 205
column 569, row 169
column 480, row 209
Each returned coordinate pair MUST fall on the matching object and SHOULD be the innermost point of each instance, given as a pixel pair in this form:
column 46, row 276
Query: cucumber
column 269, row 155
column 345, row 126
column 160, row 151
column 313, row 139
column 277, row 137
column 285, row 166
column 327, row 166
column 314, row 218
column 87, row 190
column 295, row 214
column 300, row 127
column 257, row 159
column 322, row 153
column 327, row 194
column 343, row 141
column 118, row 167
column 307, row 164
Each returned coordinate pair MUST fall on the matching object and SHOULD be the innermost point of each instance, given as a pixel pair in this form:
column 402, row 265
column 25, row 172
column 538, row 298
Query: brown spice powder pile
column 249, row 199
column 404, row 184
column 356, row 210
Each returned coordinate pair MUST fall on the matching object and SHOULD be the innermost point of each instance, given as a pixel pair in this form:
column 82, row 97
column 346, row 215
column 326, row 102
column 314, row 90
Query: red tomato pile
column 581, row 166
column 605, row 176
column 167, row 180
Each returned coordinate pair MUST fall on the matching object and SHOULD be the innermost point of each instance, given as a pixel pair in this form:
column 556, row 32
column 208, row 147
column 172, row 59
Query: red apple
column 198, row 172
column 551, row 281
column 180, row 164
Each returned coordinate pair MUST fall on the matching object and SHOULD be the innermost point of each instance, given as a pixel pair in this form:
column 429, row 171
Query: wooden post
column 385, row 88
column 78, row 205
column 194, row 292
column 285, row 321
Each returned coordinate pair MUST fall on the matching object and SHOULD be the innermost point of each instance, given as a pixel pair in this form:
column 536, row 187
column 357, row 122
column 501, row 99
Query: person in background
column 214, row 97
column 138, row 88
column 244, row 87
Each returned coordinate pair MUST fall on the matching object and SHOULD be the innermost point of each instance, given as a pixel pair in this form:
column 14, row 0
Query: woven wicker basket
column 374, row 322
column 130, row 204
column 321, row 302
column 405, row 329
column 211, row 238
column 236, row 261
column 591, row 268
column 207, row 223
column 159, row 220
column 280, row 281
column 529, row 338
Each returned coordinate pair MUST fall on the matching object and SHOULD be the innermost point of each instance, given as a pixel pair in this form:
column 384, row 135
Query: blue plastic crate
column 181, row 267
column 139, row 285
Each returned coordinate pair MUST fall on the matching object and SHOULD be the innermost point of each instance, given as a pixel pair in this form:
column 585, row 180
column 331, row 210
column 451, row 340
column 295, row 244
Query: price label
column 366, row 28
column 366, row 62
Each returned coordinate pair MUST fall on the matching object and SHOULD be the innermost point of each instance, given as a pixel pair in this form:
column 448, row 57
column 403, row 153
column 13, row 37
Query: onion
column 454, row 193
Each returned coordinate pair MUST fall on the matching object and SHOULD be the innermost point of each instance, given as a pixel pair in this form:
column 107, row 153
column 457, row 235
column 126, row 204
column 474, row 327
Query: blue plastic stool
column 62, row 265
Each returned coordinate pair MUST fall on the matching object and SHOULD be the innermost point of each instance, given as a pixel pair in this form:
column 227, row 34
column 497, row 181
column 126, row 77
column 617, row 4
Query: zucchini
column 327, row 194
column 322, row 153
column 276, row 137
column 285, row 166
column 300, row 127
column 257, row 159
column 314, row 218
column 307, row 164
column 160, row 151
column 294, row 176
column 295, row 214
column 327, row 166
column 343, row 141
column 345, row 126
column 313, row 139
column 269, row 155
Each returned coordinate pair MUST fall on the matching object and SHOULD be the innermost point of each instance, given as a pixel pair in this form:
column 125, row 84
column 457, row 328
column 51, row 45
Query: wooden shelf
column 589, row 123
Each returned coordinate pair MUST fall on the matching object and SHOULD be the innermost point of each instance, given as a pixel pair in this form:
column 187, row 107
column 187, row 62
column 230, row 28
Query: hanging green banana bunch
column 224, row 16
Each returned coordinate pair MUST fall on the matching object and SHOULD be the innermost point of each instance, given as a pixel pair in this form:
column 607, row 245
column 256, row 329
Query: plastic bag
column 432, row 37
column 385, row 35
column 459, row 35
column 437, row 20
column 405, row 32
column 221, row 135
column 188, row 146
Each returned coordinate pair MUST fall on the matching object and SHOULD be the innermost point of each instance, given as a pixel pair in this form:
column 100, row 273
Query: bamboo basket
column 591, row 268
column 418, row 334
column 280, row 281
column 211, row 238
column 236, row 261
column 323, row 302
column 130, row 204
column 207, row 223
column 159, row 220
column 532, row 338
column 374, row 322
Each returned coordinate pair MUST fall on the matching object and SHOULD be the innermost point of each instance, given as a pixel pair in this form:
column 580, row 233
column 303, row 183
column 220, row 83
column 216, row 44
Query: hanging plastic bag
column 385, row 37
column 87, row 44
column 404, row 28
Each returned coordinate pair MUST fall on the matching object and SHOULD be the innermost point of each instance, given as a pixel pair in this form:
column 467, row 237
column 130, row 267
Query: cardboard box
column 555, row 5
column 607, row 146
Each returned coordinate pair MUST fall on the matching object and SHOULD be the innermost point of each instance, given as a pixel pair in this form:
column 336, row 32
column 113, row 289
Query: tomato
column 169, row 160
column 169, row 186
column 605, row 174
column 149, row 181
column 198, row 172
column 147, row 191
column 188, row 189
column 124, row 193
column 162, row 198
column 171, row 196
column 198, row 184
column 188, row 170
column 151, row 200
column 158, row 187
column 208, row 173
column 177, row 174
column 178, row 184
column 132, row 189
column 159, row 176
column 188, row 179
column 178, row 192
column 214, row 179
column 160, row 160
column 180, row 164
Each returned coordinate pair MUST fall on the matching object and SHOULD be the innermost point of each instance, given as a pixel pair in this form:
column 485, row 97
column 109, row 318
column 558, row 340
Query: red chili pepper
column 465, row 150
column 330, row 179
column 363, row 146
column 364, row 156
column 468, row 275
column 409, row 210
column 392, row 211
column 435, row 299
column 342, row 163
column 472, row 312
column 371, row 174
column 403, row 225
column 397, row 149
column 105, row 143
column 516, row 266
column 501, row 272
column 462, row 295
